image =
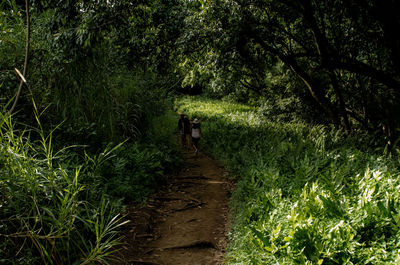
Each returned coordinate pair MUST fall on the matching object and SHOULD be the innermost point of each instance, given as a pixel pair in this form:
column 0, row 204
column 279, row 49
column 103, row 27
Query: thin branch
column 28, row 33
column 249, row 86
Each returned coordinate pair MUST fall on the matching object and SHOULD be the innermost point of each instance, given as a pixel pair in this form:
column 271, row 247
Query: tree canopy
column 342, row 54
column 336, row 61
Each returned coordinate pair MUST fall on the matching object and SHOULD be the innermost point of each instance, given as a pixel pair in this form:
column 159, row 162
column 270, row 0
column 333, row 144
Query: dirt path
column 186, row 223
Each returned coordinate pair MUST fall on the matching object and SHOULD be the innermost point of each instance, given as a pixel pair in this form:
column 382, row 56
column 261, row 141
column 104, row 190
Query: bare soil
column 184, row 223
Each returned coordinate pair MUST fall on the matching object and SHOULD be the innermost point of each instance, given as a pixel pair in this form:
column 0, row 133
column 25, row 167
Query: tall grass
column 44, row 215
column 305, row 195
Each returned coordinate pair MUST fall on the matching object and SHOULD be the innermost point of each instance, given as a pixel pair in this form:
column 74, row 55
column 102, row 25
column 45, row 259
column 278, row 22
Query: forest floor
column 184, row 223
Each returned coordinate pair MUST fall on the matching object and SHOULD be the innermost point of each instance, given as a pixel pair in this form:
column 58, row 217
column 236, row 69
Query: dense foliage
column 85, row 136
column 329, row 61
column 332, row 62
column 305, row 195
column 78, row 77
column 45, row 216
column 97, row 68
column 59, row 208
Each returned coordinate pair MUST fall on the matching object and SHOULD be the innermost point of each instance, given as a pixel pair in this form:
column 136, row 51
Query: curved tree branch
column 21, row 83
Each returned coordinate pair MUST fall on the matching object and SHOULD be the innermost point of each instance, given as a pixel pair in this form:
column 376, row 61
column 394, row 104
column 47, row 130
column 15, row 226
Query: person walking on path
column 196, row 135
column 187, row 130
column 181, row 129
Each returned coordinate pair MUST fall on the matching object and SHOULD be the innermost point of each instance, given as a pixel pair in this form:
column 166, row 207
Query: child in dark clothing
column 186, row 130
column 181, row 129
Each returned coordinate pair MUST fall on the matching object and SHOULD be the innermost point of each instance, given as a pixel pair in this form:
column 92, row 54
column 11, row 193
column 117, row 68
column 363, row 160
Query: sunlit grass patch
column 213, row 109
column 305, row 194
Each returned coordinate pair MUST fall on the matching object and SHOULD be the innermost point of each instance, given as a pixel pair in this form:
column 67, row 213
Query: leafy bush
column 135, row 172
column 137, row 169
column 305, row 195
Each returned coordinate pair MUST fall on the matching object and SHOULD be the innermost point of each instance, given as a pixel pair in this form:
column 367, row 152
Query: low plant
column 305, row 194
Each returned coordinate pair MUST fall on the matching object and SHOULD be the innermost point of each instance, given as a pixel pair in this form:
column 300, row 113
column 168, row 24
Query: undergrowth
column 304, row 195
column 58, row 207
column 139, row 168
column 45, row 217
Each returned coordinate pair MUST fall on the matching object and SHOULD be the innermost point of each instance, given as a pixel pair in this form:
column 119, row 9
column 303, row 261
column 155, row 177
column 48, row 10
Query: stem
column 28, row 33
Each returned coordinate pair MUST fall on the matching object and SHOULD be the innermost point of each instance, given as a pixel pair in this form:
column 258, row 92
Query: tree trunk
column 342, row 104
column 313, row 85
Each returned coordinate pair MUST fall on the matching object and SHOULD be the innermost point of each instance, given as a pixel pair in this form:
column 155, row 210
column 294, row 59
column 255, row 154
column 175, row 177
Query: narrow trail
column 185, row 223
